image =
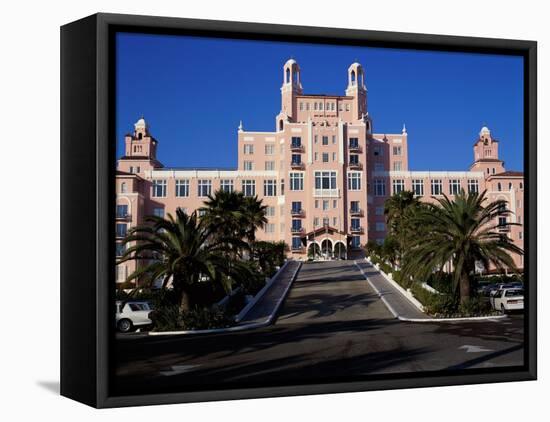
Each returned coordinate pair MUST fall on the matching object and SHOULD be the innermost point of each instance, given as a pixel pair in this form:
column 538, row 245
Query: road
column 332, row 326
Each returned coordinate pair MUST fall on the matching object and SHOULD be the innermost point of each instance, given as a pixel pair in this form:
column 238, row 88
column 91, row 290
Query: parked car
column 132, row 314
column 501, row 286
column 507, row 299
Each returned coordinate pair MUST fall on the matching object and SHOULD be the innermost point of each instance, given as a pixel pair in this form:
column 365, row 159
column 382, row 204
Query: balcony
column 355, row 148
column 298, row 249
column 504, row 229
column 355, row 166
column 298, row 213
column 356, row 229
column 124, row 217
column 356, row 212
column 297, row 165
column 327, row 193
column 296, row 147
column 297, row 230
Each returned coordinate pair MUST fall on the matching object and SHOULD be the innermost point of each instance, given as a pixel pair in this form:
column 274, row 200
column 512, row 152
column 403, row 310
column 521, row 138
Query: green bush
column 170, row 318
column 475, row 306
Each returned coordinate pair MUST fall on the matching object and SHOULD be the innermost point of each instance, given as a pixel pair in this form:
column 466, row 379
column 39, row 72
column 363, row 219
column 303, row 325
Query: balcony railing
column 504, row 229
column 298, row 249
column 297, row 213
column 297, row 147
column 297, row 229
column 327, row 193
column 355, row 148
column 123, row 216
column 356, row 229
column 297, row 165
column 356, row 212
column 355, row 166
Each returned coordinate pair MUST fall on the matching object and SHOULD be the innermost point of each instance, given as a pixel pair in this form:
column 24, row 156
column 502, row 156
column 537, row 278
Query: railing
column 357, row 229
column 504, row 229
column 123, row 216
column 297, row 147
column 355, row 166
column 297, row 165
column 355, row 148
column 297, row 229
column 330, row 193
column 300, row 248
column 356, row 212
column 297, row 213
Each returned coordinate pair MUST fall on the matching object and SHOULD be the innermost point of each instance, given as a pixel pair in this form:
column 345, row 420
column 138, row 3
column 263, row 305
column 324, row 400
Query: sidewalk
column 265, row 309
column 398, row 304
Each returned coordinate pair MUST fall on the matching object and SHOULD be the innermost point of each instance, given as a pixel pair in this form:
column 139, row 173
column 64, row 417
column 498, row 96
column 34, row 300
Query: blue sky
column 194, row 91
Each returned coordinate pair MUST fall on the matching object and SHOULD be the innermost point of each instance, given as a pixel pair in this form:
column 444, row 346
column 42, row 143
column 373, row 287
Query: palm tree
column 398, row 210
column 253, row 216
column 180, row 252
column 461, row 232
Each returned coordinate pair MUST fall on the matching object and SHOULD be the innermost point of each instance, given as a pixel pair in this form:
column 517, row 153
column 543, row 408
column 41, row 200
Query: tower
column 292, row 86
column 140, row 150
column 486, row 154
column 357, row 89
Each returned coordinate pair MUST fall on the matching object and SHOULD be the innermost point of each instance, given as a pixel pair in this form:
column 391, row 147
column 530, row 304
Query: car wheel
column 124, row 325
column 502, row 308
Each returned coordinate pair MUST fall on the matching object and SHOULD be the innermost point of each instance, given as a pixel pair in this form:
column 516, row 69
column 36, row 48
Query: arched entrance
column 326, row 248
column 340, row 251
column 313, row 251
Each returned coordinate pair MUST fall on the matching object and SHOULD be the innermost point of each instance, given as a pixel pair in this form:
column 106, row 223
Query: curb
column 405, row 319
column 243, row 327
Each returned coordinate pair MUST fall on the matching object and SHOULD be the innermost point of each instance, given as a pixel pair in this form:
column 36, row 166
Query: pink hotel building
column 323, row 174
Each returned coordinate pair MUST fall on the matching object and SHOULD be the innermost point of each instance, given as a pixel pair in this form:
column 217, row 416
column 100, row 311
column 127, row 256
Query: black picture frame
column 87, row 199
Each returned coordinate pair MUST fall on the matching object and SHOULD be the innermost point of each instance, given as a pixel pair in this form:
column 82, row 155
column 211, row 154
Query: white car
column 507, row 300
column 131, row 314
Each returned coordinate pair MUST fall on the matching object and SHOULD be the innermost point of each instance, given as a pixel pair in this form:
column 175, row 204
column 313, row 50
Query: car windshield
column 138, row 306
column 510, row 293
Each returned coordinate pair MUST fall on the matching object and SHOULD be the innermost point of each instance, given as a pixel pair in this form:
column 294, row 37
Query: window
column 473, row 186
column 334, row 203
column 182, row 188
column 332, row 106
column 325, row 204
column 354, row 159
column 326, row 221
column 521, row 185
column 270, row 187
column 333, row 139
column 333, row 156
column 270, row 212
column 158, row 212
column 510, row 186
column 314, row 106
column 316, row 222
column 226, row 185
column 499, row 186
column 378, row 166
column 296, row 225
column 315, row 159
column 325, row 140
column 121, row 229
column 296, row 142
column 204, row 187
column 270, row 165
column 325, row 157
column 301, row 106
column 355, row 242
column 123, row 187
column 296, row 207
column 325, row 180
column 380, row 227
column 354, row 142
column 249, row 187
column 282, row 186
column 159, row 188
column 334, row 221
column 396, row 150
column 347, row 107
column 320, row 106
column 296, row 159
column 379, row 187
column 296, row 181
column 315, row 138
column 454, row 186
column 269, row 228
column 355, row 223
column 418, row 187
column 398, row 186
column 248, row 165
column 437, row 187
column 122, row 211
column 354, row 181
column 296, row 242
column 248, row 149
column 269, row 149
column 397, row 166
column 378, row 151
column 379, row 211
column 307, row 106
column 520, row 235
column 120, row 249
column 316, row 203
column 354, row 206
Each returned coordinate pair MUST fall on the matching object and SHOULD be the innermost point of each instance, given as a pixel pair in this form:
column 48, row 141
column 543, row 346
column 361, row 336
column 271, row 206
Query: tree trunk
column 464, row 287
column 184, row 301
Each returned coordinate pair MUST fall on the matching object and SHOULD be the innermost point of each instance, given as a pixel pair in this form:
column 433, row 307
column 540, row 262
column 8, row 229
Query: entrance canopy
column 326, row 243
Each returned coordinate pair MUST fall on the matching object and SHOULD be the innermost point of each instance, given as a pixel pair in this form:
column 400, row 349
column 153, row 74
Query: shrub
column 475, row 306
column 170, row 318
column 235, row 303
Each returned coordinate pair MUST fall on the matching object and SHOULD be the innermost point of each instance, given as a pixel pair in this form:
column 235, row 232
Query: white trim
column 309, row 141
column 430, row 174
column 212, row 173
column 341, row 142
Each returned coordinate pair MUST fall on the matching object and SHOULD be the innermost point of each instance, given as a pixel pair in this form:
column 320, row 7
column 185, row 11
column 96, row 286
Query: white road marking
column 475, row 349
